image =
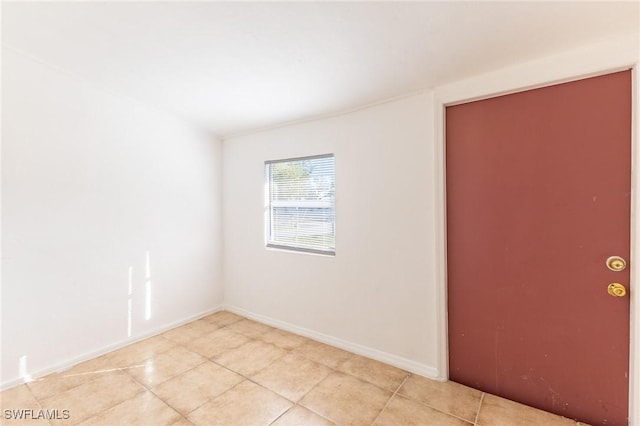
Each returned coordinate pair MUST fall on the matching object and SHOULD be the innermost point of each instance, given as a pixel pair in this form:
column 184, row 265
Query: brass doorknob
column 616, row 263
column 616, row 290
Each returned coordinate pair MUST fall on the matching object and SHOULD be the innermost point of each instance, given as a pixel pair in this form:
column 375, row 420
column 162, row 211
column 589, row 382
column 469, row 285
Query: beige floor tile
column 143, row 409
column 23, row 408
column 56, row 383
column 245, row 404
column 324, row 354
column 190, row 331
column 346, row 400
column 136, row 353
column 292, row 376
column 202, row 326
column 250, row 358
column 186, row 333
column 403, row 411
column 223, row 318
column 378, row 373
column 91, row 398
column 190, row 390
column 250, row 328
column 448, row 397
column 18, row 397
column 284, row 339
column 499, row 411
column 182, row 422
column 300, row 416
column 165, row 366
column 217, row 342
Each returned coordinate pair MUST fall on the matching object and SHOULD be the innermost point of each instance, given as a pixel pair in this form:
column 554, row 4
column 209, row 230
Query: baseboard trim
column 391, row 359
column 65, row 365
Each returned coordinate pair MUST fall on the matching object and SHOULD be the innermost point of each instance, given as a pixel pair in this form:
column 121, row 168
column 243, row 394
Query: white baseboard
column 65, row 365
column 397, row 361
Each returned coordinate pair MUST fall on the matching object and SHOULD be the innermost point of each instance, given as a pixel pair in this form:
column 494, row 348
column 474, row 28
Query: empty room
column 320, row 213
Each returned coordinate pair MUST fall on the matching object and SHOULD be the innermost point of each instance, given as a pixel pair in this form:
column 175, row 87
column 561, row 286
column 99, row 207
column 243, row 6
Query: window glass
column 301, row 204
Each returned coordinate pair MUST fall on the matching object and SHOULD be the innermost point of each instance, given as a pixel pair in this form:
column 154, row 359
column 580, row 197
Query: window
column 301, row 204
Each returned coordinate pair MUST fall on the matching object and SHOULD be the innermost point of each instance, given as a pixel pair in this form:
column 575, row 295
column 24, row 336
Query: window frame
column 268, row 208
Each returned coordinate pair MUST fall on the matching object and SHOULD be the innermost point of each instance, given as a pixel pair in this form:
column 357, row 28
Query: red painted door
column 538, row 197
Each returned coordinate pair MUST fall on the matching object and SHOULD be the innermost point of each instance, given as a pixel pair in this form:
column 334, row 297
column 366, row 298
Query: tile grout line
column 324, row 416
column 209, row 400
column 293, row 351
column 144, row 388
column 149, row 389
column 37, row 401
column 440, row 410
column 118, row 369
column 391, row 398
column 95, row 374
column 208, row 359
column 168, row 405
column 182, row 345
column 319, row 414
column 117, row 403
column 282, row 414
column 333, row 370
column 248, row 379
column 475, row 421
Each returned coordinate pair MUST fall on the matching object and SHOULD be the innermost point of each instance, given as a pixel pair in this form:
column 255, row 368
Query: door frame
column 597, row 59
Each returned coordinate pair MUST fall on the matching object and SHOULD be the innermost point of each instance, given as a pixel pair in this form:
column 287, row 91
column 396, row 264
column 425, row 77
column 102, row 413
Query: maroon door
column 538, row 197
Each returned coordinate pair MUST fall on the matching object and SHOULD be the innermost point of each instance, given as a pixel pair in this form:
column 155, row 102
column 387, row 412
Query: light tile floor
column 228, row 370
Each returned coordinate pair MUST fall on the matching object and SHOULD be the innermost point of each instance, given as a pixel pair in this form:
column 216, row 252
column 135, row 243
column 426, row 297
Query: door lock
column 616, row 263
column 616, row 290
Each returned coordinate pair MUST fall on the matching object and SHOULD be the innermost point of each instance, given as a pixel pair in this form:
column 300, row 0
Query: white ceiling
column 236, row 66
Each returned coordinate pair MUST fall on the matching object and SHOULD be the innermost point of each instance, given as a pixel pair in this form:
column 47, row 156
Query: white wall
column 377, row 295
column 91, row 183
column 383, row 295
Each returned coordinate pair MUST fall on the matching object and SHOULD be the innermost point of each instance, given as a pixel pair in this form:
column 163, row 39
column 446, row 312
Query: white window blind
column 301, row 204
